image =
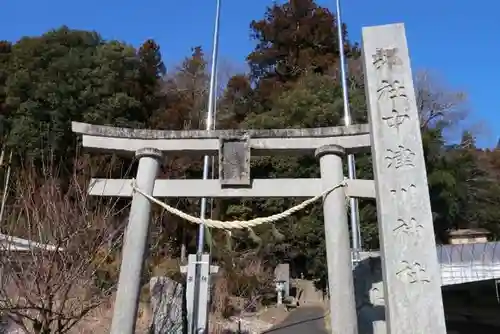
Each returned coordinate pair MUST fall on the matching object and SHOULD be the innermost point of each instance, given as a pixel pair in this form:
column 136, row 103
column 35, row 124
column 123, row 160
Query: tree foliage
column 67, row 75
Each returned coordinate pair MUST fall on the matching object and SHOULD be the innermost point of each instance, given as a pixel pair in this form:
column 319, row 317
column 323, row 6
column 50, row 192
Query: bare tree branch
column 45, row 290
column 437, row 103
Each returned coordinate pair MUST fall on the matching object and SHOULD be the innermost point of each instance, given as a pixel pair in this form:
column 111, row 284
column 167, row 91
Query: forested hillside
column 292, row 80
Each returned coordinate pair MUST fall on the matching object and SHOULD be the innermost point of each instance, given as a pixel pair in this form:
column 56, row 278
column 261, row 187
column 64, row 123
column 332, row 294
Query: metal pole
column 210, row 119
column 199, row 320
column 212, row 164
column 351, row 162
column 134, row 248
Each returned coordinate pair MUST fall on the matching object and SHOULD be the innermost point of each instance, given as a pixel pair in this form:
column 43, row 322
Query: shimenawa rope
column 238, row 224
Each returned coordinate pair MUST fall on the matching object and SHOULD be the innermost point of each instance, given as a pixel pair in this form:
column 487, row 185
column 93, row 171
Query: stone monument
column 282, row 281
column 410, row 268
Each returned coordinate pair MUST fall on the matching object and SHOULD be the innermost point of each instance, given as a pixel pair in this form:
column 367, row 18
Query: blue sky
column 457, row 39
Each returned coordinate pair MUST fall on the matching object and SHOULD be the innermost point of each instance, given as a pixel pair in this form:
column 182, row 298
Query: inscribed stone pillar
column 338, row 252
column 411, row 273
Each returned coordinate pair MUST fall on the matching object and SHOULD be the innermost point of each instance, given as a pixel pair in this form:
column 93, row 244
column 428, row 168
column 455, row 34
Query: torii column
column 338, row 252
column 134, row 249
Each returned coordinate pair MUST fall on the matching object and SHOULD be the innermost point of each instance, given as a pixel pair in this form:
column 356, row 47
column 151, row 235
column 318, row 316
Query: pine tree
column 151, row 72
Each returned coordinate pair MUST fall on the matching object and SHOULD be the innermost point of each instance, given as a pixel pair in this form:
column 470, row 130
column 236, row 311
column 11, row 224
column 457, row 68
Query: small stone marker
column 411, row 272
column 282, row 280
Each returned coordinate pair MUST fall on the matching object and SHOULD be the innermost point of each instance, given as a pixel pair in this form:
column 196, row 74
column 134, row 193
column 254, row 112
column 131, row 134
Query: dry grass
column 216, row 328
column 241, row 287
column 247, row 279
column 69, row 291
column 99, row 320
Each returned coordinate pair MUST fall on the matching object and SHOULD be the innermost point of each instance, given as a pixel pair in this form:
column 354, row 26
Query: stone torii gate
column 411, row 274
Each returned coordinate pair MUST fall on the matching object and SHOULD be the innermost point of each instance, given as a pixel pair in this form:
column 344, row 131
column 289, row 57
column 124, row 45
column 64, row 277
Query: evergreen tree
column 68, row 75
column 151, row 72
column 294, row 39
column 5, row 52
